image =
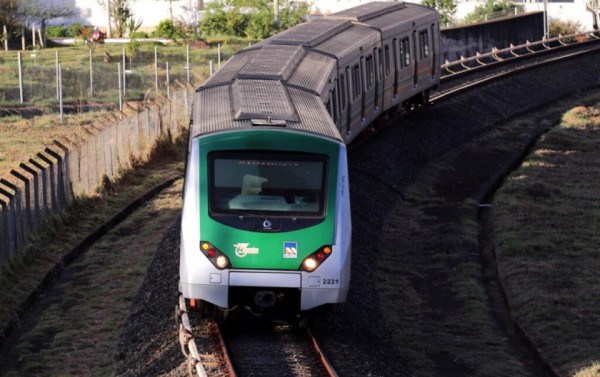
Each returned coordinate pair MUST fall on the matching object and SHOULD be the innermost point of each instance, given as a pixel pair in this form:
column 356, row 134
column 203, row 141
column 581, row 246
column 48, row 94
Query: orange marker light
column 327, row 249
column 205, row 246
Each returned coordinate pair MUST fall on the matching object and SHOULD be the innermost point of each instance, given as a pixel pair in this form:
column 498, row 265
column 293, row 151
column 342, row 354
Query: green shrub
column 218, row 21
column 165, row 29
column 74, row 30
column 56, row 32
column 559, row 27
column 260, row 24
column 139, row 34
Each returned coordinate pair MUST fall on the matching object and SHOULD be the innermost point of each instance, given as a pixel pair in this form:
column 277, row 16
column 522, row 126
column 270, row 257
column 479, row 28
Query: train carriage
column 266, row 216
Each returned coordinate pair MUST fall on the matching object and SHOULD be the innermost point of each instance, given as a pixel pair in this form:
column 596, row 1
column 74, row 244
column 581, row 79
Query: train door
column 405, row 72
column 425, row 55
column 334, row 107
column 342, row 93
column 434, row 49
column 357, row 98
column 362, row 78
column 415, row 71
column 377, row 74
column 396, row 60
column 346, row 95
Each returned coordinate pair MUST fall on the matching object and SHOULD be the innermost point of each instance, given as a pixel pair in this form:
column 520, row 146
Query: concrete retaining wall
column 482, row 37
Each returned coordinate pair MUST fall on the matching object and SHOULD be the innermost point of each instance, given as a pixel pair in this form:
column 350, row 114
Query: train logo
column 267, row 224
column 290, row 249
column 242, row 249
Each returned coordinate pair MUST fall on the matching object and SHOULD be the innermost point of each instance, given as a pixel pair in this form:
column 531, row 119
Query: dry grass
column 77, row 331
column 546, row 225
column 23, row 274
column 21, row 139
column 431, row 282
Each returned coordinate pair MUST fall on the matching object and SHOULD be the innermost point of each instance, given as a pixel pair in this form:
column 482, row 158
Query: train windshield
column 273, row 184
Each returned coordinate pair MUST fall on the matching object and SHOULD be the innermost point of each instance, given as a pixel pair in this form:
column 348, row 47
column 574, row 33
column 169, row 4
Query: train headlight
column 221, row 261
column 309, row 264
column 216, row 257
column 314, row 260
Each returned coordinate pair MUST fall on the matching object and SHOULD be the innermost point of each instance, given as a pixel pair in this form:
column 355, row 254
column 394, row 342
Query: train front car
column 266, row 221
column 266, row 216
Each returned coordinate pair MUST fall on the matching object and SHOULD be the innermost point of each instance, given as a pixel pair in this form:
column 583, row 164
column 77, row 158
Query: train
column 266, row 220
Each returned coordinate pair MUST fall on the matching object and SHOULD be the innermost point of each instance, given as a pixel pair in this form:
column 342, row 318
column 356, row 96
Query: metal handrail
column 528, row 46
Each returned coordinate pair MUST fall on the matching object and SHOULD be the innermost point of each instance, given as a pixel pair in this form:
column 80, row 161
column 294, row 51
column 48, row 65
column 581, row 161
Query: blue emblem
column 290, row 249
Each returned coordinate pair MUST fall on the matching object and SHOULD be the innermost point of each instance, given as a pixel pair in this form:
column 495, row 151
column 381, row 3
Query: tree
column 260, row 25
column 446, row 8
column 230, row 20
column 18, row 13
column 292, row 14
column 133, row 47
column 491, row 8
column 120, row 12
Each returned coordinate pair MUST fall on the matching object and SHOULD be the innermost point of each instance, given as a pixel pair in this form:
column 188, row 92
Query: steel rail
column 321, row 355
column 194, row 359
column 219, row 339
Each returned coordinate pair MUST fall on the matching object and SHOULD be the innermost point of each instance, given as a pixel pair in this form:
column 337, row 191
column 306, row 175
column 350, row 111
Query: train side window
column 334, row 105
column 405, row 52
column 342, row 90
column 387, row 59
column 424, row 42
column 355, row 81
column 379, row 64
column 361, row 73
column 370, row 73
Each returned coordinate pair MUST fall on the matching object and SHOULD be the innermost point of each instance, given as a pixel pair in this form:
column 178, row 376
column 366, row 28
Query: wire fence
column 99, row 75
column 51, row 180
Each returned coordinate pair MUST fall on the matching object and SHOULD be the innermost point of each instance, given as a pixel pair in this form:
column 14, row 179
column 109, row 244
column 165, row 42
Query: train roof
column 285, row 78
column 252, row 103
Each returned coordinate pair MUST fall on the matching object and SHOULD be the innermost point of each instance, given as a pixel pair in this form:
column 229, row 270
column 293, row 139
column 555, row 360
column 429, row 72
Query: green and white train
column 266, row 221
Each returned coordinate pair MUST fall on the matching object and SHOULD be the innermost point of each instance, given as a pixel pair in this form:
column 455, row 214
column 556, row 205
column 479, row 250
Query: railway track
column 211, row 358
column 469, row 73
column 248, row 347
column 215, row 352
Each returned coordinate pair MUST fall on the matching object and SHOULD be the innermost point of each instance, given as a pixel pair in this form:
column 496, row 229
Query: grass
column 21, row 138
column 28, row 268
column 92, row 300
column 546, row 219
column 435, row 281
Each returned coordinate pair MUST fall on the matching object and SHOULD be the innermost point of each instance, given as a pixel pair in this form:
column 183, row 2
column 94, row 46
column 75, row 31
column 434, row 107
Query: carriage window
column 370, row 73
column 405, row 52
column 424, row 41
column 387, row 59
column 267, row 183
